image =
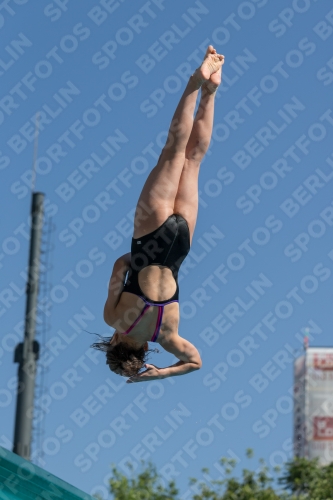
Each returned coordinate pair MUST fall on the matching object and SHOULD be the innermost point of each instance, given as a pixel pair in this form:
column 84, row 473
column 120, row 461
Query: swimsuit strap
column 153, row 303
column 137, row 319
column 159, row 317
column 158, row 323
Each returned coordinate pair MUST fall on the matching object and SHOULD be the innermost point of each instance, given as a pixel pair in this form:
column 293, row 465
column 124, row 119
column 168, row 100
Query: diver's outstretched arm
column 189, row 361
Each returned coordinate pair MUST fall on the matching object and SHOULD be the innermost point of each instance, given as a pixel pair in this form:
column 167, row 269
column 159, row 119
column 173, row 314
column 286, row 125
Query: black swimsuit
column 167, row 246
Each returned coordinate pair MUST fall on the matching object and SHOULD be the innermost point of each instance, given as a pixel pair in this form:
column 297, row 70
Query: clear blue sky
column 106, row 77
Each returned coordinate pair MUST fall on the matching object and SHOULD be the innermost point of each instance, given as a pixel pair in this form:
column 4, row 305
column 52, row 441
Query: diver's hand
column 151, row 373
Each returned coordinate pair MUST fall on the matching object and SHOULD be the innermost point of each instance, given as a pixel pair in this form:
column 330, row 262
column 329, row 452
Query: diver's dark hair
column 122, row 358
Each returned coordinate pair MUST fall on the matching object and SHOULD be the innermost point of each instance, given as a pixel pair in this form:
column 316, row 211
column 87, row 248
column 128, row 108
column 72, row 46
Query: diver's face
column 117, row 338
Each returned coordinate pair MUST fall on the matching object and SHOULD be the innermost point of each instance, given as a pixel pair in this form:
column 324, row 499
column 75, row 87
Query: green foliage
column 308, row 480
column 145, row 486
column 251, row 486
column 301, row 479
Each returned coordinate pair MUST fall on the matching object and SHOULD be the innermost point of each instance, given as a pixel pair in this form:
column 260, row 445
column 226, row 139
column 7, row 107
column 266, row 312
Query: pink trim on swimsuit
column 159, row 317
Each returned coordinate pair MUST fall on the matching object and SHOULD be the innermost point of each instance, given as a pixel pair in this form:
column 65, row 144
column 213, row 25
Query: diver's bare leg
column 186, row 202
column 157, row 199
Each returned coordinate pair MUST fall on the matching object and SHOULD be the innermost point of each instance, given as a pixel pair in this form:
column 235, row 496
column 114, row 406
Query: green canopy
column 20, row 479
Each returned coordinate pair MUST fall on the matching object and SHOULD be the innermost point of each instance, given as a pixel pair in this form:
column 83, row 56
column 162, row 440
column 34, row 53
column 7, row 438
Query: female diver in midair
column 145, row 306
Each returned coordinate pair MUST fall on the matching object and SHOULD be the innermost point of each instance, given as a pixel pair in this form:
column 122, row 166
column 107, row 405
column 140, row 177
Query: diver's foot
column 211, row 64
column 215, row 80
